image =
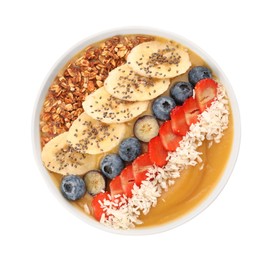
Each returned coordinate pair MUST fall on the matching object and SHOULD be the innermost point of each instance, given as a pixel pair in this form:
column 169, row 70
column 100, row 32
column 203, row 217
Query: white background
column 34, row 34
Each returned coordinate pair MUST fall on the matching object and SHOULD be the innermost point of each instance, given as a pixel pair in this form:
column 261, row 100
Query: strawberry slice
column 116, row 186
column 156, row 151
column 127, row 180
column 140, row 166
column 205, row 91
column 99, row 198
column 178, row 121
column 169, row 139
column 191, row 111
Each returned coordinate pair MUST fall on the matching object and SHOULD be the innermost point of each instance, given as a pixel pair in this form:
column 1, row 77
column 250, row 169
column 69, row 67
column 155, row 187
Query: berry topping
column 111, row 165
column 129, row 149
column 205, row 91
column 96, row 204
column 156, row 152
column 116, row 186
column 127, row 180
column 162, row 107
column 140, row 166
column 178, row 121
column 72, row 187
column 170, row 140
column 198, row 73
column 191, row 110
column 180, row 91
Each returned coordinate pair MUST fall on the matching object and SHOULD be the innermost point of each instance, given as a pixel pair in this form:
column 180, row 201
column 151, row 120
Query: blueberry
column 198, row 73
column 72, row 187
column 162, row 107
column 180, row 91
column 129, row 149
column 112, row 165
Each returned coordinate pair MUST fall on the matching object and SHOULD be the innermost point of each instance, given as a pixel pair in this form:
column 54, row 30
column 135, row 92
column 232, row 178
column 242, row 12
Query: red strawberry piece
column 191, row 111
column 169, row 139
column 156, row 151
column 178, row 121
column 127, row 180
column 140, row 166
column 96, row 204
column 205, row 91
column 116, row 186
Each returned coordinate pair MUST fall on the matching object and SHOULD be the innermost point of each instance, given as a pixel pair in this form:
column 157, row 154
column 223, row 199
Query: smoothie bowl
column 136, row 130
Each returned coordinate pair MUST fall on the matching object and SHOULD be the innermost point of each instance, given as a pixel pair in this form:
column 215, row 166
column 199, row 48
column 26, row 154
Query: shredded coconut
column 123, row 212
column 86, row 209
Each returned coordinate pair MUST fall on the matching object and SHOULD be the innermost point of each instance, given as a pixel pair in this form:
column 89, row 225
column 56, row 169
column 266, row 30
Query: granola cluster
column 82, row 76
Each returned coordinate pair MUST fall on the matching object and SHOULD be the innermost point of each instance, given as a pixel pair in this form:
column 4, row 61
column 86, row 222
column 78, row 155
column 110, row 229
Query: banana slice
column 146, row 128
column 95, row 182
column 60, row 158
column 159, row 60
column 103, row 107
column 125, row 84
column 87, row 135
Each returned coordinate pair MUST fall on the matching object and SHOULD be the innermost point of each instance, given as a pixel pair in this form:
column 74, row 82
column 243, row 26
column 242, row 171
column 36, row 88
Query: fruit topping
column 157, row 152
column 180, row 91
column 129, row 149
column 72, row 187
column 178, row 121
column 87, row 135
column 145, row 128
column 205, row 91
column 159, row 60
column 191, row 110
column 59, row 157
column 125, row 84
column 198, row 73
column 95, row 182
column 100, row 105
column 170, row 140
column 140, row 166
column 127, row 180
column 96, row 204
column 116, row 186
column 111, row 165
column 162, row 107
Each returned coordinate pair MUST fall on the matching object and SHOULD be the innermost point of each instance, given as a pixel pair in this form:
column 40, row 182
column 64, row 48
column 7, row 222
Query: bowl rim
column 148, row 31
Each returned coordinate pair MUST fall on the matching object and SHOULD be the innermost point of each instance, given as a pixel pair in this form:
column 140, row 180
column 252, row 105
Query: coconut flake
column 86, row 209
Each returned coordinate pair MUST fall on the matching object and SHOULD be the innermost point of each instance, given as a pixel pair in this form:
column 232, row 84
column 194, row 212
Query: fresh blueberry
column 180, row 91
column 72, row 187
column 198, row 73
column 162, row 107
column 112, row 165
column 129, row 149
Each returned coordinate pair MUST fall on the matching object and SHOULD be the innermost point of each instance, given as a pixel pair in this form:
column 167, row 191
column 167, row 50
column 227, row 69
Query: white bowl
column 136, row 30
